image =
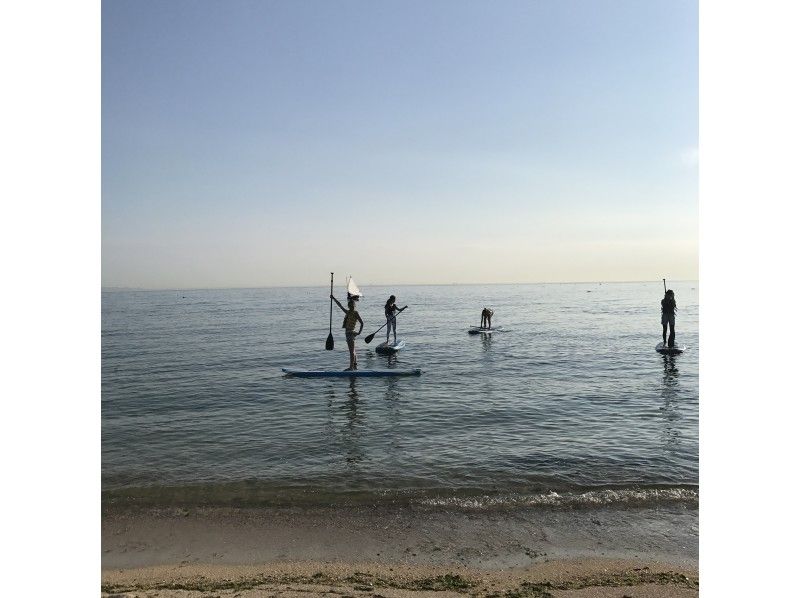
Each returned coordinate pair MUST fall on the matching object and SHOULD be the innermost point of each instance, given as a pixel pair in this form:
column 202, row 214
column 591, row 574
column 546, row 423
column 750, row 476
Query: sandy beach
column 398, row 551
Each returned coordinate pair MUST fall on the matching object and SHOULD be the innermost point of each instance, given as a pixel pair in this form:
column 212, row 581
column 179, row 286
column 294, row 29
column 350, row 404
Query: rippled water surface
column 570, row 395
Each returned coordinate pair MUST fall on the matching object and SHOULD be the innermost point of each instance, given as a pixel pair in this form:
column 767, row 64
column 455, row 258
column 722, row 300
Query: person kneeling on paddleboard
column 668, row 307
column 349, row 324
column 391, row 319
column 486, row 318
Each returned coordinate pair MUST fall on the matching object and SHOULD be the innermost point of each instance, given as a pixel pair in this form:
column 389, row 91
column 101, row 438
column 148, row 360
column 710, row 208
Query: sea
column 568, row 404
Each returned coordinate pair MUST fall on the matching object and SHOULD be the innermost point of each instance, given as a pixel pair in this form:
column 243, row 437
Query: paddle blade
column 329, row 343
column 368, row 339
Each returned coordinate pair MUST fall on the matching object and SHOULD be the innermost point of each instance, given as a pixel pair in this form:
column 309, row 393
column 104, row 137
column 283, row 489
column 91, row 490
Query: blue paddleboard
column 349, row 374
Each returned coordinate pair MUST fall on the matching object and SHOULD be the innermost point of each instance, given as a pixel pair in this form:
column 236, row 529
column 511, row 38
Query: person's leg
column 351, row 346
column 394, row 328
column 388, row 327
column 671, row 341
column 664, row 333
column 488, row 321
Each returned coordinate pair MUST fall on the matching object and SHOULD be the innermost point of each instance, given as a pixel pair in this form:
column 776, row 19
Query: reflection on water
column 351, row 432
column 349, row 411
column 345, row 422
column 486, row 341
column 348, row 414
column 352, row 391
column 375, row 360
column 669, row 397
column 670, row 369
column 392, row 390
column 394, row 418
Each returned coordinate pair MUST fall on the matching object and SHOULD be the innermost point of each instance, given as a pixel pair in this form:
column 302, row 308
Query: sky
column 269, row 143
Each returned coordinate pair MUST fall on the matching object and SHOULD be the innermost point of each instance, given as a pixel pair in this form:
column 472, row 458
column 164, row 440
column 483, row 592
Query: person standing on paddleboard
column 486, row 318
column 391, row 319
column 668, row 307
column 351, row 317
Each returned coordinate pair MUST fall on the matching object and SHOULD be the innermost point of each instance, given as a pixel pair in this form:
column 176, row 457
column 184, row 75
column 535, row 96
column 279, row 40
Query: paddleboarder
column 486, row 318
column 668, row 307
column 351, row 317
column 391, row 319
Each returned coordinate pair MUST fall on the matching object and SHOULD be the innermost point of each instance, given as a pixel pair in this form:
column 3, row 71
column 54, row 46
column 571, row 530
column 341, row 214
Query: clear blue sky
column 260, row 143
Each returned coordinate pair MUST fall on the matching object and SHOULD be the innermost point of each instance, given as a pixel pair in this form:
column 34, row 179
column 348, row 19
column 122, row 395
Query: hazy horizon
column 250, row 145
column 339, row 285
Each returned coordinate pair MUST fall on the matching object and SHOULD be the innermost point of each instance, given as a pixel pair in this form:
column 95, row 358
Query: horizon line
column 405, row 284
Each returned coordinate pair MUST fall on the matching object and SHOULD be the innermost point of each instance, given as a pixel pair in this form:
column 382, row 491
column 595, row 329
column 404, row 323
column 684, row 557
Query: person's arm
column 360, row 324
column 339, row 304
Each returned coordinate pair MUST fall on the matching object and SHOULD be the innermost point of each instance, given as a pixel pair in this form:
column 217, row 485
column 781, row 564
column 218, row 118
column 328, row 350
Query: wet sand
column 567, row 578
column 398, row 551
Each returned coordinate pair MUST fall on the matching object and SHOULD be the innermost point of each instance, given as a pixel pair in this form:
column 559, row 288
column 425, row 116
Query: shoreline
column 394, row 551
column 533, row 494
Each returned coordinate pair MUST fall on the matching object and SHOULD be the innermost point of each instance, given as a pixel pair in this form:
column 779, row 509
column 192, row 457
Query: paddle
column 665, row 285
column 329, row 342
column 368, row 339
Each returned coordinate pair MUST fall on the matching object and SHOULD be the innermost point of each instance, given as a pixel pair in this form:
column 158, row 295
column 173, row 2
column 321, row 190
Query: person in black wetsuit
column 391, row 310
column 486, row 318
column 668, row 307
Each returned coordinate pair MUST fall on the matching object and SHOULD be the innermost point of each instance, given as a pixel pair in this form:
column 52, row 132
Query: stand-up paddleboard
column 350, row 373
column 482, row 330
column 676, row 350
column 389, row 348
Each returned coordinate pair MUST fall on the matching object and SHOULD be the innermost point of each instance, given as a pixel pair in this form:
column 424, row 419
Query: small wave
column 590, row 498
column 255, row 494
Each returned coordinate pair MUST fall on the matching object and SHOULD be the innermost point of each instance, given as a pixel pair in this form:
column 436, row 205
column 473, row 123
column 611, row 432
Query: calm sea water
column 569, row 400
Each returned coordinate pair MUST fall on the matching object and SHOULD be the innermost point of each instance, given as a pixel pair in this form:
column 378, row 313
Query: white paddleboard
column 481, row 330
column 676, row 350
column 387, row 349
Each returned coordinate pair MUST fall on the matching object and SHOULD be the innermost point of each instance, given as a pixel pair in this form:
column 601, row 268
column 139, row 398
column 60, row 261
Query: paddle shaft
column 369, row 338
column 665, row 284
column 330, row 324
